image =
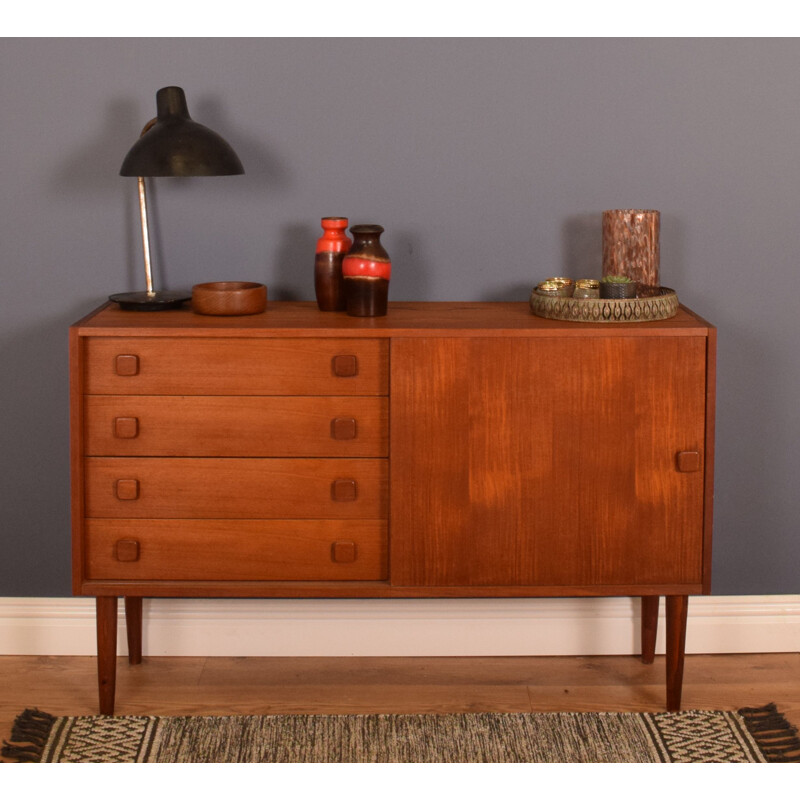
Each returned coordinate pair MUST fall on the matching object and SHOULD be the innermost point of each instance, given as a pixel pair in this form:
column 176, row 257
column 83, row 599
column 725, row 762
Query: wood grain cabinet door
column 570, row 461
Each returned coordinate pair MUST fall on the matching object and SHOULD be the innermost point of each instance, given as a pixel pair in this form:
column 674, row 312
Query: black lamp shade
column 177, row 146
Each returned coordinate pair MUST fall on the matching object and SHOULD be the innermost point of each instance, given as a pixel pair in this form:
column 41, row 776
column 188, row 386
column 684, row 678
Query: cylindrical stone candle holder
column 631, row 247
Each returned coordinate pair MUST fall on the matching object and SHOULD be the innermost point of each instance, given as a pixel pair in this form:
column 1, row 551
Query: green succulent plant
column 615, row 279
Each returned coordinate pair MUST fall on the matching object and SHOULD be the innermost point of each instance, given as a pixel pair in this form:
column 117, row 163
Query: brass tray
column 637, row 309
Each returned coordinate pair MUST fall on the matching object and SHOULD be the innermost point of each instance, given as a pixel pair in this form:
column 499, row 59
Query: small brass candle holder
column 566, row 286
column 548, row 288
column 586, row 289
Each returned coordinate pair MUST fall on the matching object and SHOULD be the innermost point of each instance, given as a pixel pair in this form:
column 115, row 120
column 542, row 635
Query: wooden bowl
column 229, row 298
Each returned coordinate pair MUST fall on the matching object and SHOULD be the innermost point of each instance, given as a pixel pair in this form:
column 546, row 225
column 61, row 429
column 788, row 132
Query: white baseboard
column 541, row 626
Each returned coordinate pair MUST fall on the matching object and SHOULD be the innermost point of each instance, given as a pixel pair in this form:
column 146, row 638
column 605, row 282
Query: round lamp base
column 143, row 301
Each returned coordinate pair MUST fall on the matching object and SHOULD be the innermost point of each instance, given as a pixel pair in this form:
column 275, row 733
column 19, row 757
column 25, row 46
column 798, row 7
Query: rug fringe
column 32, row 726
column 777, row 738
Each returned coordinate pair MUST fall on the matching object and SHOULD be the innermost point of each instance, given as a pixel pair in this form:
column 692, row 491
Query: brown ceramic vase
column 367, row 270
column 332, row 247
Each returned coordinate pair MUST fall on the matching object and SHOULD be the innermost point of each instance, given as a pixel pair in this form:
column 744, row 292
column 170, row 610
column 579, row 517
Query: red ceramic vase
column 332, row 247
column 367, row 270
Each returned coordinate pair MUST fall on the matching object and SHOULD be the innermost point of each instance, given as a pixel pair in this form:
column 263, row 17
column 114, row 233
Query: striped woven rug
column 751, row 735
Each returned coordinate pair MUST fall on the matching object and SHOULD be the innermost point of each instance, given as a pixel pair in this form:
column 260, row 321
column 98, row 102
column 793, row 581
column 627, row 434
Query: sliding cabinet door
column 572, row 461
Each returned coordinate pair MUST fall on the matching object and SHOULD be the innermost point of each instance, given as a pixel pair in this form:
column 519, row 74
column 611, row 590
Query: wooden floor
column 220, row 686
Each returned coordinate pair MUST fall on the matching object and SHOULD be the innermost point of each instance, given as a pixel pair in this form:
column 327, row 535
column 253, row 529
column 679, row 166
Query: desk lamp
column 171, row 145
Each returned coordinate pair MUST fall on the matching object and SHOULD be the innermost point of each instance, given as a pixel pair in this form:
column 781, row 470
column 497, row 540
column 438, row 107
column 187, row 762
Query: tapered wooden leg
column 649, row 628
column 677, row 611
column 133, row 626
column 106, row 652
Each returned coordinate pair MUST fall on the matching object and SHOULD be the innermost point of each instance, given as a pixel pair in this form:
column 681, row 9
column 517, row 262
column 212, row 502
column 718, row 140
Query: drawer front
column 246, row 550
column 236, row 488
column 236, row 366
column 186, row 425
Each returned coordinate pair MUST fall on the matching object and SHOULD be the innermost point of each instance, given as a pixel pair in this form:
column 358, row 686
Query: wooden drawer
column 246, row 550
column 190, row 425
column 159, row 365
column 236, row 488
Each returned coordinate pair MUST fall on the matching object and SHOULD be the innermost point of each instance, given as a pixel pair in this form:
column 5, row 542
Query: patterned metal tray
column 638, row 309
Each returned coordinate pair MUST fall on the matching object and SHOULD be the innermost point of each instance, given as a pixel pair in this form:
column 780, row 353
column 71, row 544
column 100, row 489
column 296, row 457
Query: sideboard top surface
column 295, row 319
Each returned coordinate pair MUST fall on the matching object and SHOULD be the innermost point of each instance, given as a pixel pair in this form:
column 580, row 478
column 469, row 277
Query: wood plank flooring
column 220, row 686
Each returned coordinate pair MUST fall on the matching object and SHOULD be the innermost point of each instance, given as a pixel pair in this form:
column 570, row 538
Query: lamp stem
column 148, row 272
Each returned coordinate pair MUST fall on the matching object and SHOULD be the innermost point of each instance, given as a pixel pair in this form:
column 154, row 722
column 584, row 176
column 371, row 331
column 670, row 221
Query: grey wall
column 488, row 161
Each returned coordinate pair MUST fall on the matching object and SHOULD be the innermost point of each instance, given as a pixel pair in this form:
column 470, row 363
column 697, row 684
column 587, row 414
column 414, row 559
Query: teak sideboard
column 444, row 450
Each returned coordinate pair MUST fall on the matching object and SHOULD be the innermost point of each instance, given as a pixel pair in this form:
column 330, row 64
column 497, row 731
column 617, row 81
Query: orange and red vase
column 332, row 247
column 366, row 270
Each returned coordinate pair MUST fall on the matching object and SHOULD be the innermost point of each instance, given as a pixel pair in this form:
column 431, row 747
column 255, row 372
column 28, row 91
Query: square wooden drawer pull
column 126, row 427
column 127, row 489
column 127, row 550
column 345, row 366
column 343, row 552
column 126, row 365
column 343, row 490
column 343, row 428
column 688, row 461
